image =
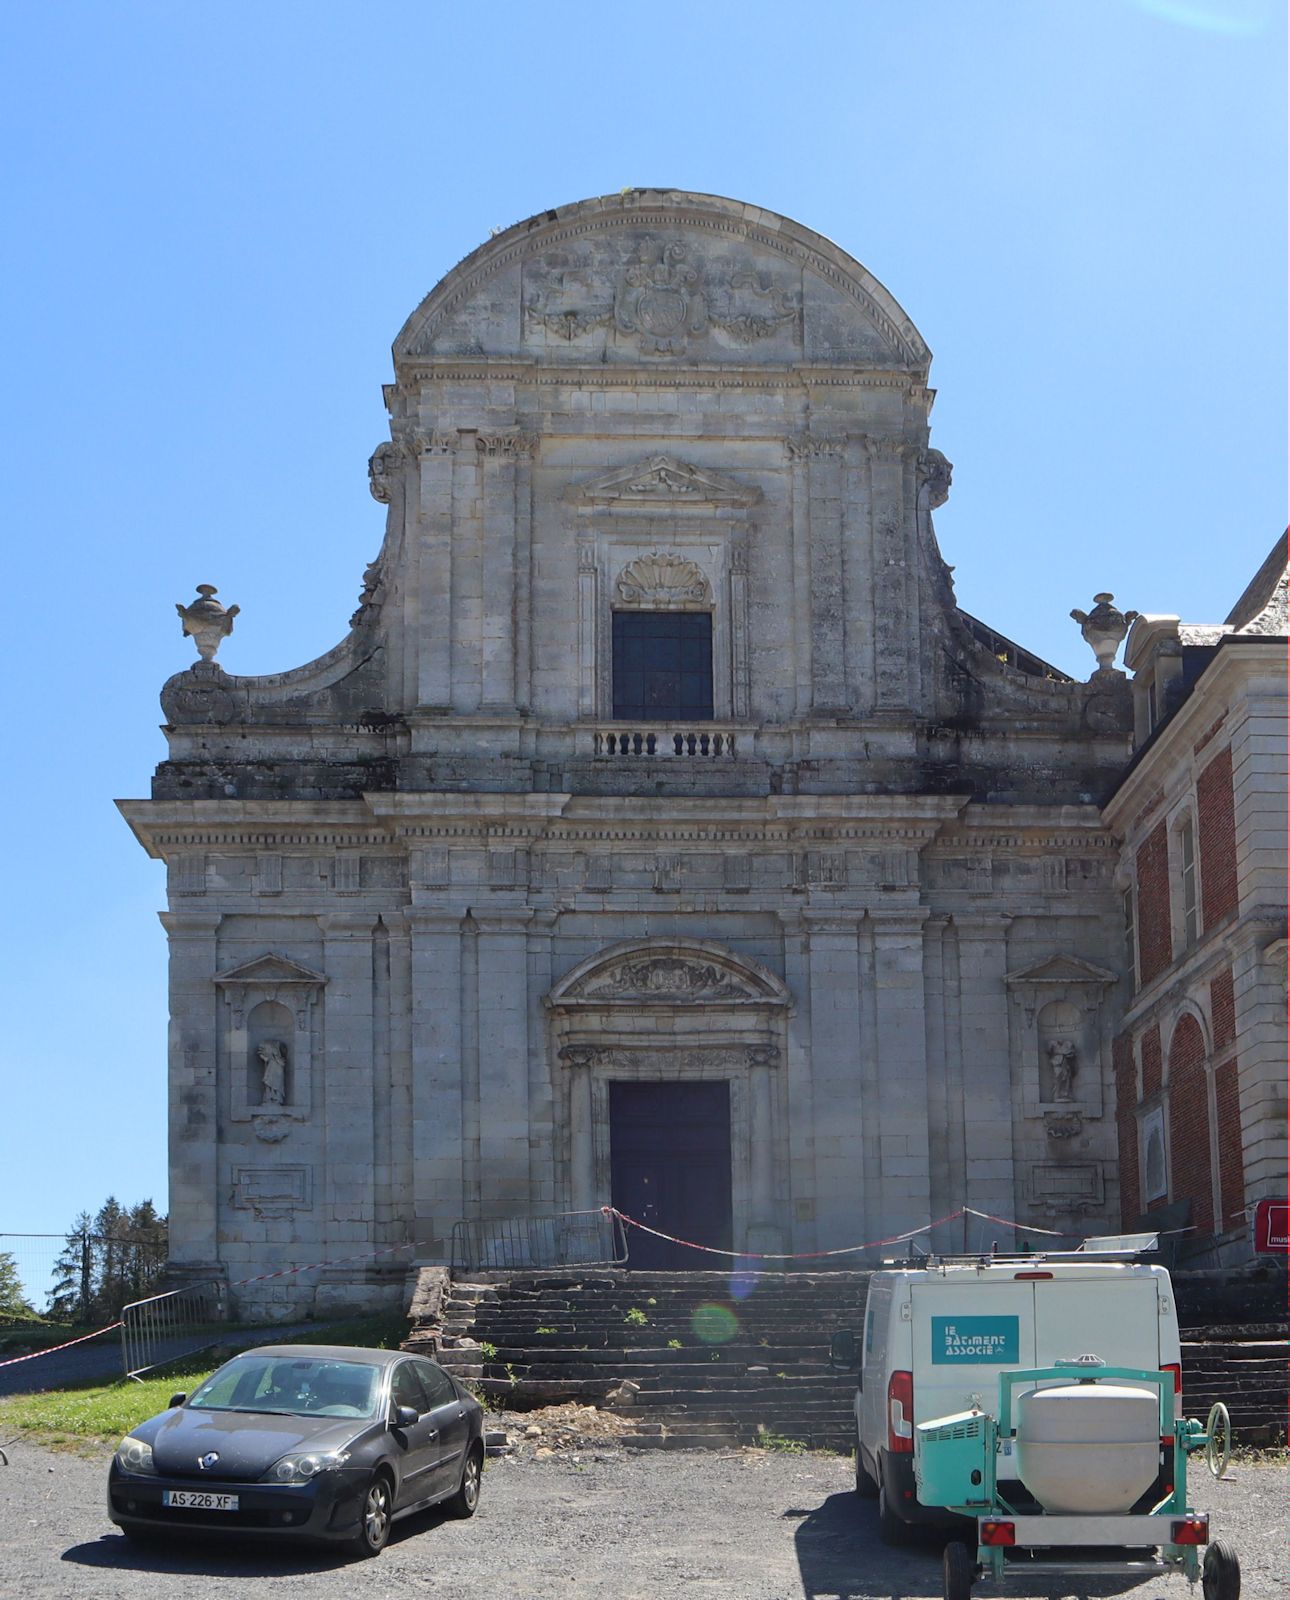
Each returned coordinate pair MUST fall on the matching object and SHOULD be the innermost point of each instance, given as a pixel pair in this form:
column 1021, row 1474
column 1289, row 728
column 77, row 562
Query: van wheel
column 891, row 1528
column 959, row 1571
column 866, row 1483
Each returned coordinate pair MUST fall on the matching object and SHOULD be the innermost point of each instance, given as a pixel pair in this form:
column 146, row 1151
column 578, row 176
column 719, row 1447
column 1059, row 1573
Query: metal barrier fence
column 158, row 1330
column 567, row 1239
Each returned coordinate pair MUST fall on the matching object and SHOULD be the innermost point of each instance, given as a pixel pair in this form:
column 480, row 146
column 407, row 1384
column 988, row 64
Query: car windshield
column 290, row 1386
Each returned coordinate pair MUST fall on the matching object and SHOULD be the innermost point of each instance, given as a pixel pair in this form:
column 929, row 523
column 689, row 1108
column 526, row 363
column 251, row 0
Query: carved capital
column 893, row 451
column 809, row 447
column 510, row 444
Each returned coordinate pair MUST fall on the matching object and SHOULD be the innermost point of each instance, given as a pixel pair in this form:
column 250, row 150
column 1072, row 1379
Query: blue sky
column 219, row 217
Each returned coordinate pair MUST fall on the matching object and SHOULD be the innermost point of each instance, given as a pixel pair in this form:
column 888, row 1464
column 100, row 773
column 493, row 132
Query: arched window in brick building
column 1189, row 1124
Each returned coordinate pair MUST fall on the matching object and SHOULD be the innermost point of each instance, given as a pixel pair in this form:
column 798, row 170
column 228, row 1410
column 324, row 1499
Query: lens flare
column 714, row 1324
column 743, row 1280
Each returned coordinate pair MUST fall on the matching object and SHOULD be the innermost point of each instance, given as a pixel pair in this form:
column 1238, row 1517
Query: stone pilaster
column 502, row 947
column 801, row 1122
column 500, row 556
column 891, row 556
column 349, row 1094
column 823, row 472
column 901, row 1049
column 588, row 600
column 432, row 609
column 194, row 1106
column 437, row 1132
column 836, row 1046
column 988, row 1108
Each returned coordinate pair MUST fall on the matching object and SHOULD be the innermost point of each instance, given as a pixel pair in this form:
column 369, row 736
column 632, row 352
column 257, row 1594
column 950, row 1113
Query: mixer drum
column 1088, row 1448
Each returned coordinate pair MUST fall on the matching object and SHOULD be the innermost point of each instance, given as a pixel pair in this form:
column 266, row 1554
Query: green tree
column 108, row 1260
column 13, row 1302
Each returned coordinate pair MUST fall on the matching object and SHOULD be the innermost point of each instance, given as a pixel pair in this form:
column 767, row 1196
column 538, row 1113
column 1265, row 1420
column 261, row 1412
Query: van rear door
column 966, row 1331
column 1115, row 1316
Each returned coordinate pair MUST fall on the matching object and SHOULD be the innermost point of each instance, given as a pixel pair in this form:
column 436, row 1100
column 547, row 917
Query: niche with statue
column 269, row 1007
column 1061, row 1041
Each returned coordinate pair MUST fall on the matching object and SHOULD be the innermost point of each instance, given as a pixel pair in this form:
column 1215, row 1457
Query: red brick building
column 1200, row 1056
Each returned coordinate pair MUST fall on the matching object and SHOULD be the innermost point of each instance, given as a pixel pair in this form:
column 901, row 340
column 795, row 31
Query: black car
column 303, row 1441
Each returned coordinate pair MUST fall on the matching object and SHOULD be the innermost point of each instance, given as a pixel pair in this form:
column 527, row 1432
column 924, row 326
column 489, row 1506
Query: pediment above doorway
column 662, row 480
column 666, row 972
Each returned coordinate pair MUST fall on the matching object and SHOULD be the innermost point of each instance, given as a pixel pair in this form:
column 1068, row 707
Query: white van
column 938, row 1334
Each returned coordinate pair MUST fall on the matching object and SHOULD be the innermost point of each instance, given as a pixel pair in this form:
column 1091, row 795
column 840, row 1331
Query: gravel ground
column 602, row 1522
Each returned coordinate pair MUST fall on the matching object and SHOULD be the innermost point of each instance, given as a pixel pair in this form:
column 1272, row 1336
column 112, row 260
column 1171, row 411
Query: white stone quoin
column 451, row 893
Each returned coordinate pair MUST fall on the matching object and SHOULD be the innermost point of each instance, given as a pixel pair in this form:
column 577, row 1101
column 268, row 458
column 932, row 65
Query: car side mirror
column 842, row 1349
column 177, row 1399
column 406, row 1416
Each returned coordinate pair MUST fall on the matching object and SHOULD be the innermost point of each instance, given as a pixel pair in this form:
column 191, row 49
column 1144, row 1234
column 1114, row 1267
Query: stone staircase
column 704, row 1358
column 708, row 1359
column 1245, row 1368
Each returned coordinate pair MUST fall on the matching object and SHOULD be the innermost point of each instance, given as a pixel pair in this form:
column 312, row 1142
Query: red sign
column 1272, row 1227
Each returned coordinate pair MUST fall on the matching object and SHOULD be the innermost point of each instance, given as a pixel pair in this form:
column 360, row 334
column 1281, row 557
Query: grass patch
column 97, row 1413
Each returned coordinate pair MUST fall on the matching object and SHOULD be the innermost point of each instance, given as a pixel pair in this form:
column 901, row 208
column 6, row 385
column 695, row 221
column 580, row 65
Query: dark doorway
column 670, row 1167
column 662, row 666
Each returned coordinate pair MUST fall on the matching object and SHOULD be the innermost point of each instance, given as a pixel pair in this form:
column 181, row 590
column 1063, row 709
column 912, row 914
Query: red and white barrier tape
column 55, row 1348
column 286, row 1272
column 818, row 1255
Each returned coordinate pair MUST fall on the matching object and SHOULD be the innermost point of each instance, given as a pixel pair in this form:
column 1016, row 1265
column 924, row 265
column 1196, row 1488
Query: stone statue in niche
column 272, row 1056
column 1062, row 1061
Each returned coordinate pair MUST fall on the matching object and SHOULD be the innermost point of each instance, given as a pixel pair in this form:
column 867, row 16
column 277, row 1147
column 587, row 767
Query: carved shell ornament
column 663, row 581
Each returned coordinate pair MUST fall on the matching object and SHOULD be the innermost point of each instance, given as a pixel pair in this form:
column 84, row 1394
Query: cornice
column 415, row 374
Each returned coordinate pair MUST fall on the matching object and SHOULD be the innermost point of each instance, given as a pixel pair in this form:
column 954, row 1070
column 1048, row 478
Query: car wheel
column 374, row 1521
column 866, row 1483
column 466, row 1499
column 959, row 1571
column 1221, row 1574
column 891, row 1528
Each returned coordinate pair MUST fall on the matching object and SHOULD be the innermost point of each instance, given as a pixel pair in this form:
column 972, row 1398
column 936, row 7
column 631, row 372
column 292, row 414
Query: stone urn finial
column 1104, row 628
column 205, row 621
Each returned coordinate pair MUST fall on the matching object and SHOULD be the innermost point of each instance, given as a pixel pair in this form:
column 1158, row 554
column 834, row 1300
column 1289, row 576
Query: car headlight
column 301, row 1468
column 133, row 1455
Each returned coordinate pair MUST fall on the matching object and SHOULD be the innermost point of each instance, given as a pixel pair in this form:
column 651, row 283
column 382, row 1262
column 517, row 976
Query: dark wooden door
column 670, row 1163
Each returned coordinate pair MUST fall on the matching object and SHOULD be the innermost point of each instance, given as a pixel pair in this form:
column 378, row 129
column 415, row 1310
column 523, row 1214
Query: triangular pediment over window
column 662, row 479
column 271, row 969
column 1062, row 969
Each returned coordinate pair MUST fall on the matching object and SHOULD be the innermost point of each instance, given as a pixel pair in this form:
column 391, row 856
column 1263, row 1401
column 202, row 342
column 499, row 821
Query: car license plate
column 193, row 1500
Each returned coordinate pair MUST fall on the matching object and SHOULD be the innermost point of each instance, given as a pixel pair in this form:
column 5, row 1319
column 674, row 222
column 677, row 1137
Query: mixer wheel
column 1218, row 1451
column 1221, row 1574
column 959, row 1571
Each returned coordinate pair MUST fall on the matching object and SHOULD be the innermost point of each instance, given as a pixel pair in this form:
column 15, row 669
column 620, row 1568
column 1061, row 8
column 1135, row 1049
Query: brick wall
column 1151, row 1060
column 1155, row 932
column 1189, row 1159
column 1222, row 1010
column 1217, row 838
column 1231, row 1164
column 1126, row 1129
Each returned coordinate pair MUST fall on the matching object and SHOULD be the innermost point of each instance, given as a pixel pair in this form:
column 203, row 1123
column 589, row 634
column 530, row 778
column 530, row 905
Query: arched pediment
column 667, row 972
column 659, row 273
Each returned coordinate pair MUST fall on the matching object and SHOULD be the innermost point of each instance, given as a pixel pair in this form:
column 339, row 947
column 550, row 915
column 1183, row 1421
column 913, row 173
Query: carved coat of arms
column 659, row 298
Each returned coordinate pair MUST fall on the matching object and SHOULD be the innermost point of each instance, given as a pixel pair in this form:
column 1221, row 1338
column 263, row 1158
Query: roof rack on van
column 1108, row 1247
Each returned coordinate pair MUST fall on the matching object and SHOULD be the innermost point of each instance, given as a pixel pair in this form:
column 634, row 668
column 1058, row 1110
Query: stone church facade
column 661, row 831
